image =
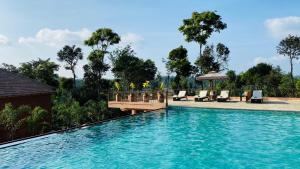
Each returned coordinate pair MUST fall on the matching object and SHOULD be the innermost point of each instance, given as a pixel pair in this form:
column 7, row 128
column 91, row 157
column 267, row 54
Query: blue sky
column 39, row 28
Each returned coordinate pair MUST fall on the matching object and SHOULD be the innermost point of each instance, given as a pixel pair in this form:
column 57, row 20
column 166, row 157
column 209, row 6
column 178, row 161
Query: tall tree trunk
column 292, row 77
column 74, row 78
column 200, row 54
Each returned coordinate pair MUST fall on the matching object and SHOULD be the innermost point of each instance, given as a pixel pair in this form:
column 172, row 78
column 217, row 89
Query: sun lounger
column 257, row 96
column 181, row 95
column 202, row 95
column 224, row 96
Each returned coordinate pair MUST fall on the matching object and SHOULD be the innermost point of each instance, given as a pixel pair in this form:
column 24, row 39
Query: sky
column 34, row 29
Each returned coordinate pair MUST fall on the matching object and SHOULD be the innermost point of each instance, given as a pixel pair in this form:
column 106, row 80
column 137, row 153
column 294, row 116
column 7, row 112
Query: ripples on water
column 181, row 138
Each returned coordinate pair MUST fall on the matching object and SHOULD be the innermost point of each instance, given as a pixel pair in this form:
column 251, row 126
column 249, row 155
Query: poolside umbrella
column 211, row 76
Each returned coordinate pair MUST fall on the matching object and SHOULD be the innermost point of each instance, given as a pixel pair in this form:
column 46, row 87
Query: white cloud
column 3, row 40
column 57, row 37
column 281, row 27
column 276, row 60
column 131, row 39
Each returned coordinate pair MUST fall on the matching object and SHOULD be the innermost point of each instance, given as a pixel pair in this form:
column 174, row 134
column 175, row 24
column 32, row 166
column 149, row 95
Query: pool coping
column 231, row 108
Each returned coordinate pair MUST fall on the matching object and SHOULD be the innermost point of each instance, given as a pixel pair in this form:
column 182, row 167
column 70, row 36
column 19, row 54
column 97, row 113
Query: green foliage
column 94, row 111
column 129, row 68
column 66, row 113
column 41, row 70
column 298, row 87
column 161, row 86
column 37, row 121
column 146, row 84
column 13, row 118
column 66, row 84
column 100, row 41
column 9, row 68
column 213, row 59
column 70, row 55
column 117, row 86
column 132, row 86
column 290, row 47
column 178, row 63
column 285, row 86
column 266, row 77
column 200, row 27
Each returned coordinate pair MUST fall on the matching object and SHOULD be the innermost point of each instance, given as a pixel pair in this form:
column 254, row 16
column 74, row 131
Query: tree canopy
column 127, row 67
column 102, row 38
column 213, row 59
column 70, row 55
column 41, row 70
column 8, row 67
column 100, row 41
column 290, row 47
column 200, row 27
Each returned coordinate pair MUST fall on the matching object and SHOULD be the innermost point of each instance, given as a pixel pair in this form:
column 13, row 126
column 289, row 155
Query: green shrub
column 37, row 121
column 13, row 118
column 94, row 111
column 66, row 114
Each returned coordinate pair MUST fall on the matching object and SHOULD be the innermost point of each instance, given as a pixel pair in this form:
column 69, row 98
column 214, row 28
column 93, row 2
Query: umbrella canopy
column 212, row 76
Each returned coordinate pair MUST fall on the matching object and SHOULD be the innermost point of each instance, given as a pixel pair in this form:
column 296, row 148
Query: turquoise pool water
column 182, row 138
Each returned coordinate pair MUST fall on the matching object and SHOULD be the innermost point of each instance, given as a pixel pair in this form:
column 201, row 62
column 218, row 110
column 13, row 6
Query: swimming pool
column 180, row 138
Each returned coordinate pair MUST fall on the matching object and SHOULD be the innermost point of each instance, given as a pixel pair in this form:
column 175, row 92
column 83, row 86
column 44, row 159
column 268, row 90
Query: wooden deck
column 144, row 106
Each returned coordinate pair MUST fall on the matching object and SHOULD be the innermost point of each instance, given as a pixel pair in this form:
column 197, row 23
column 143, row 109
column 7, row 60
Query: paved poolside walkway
column 281, row 105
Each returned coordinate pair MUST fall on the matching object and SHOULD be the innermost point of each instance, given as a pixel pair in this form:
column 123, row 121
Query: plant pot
column 118, row 97
column 160, row 97
column 131, row 97
column 145, row 97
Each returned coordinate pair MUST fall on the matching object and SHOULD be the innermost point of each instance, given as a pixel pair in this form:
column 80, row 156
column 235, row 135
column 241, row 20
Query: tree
column 94, row 111
column 13, row 118
column 41, row 70
column 200, row 26
column 298, row 86
column 213, row 59
column 290, row 47
column 266, row 77
column 71, row 55
column 129, row 68
column 37, row 121
column 178, row 63
column 66, row 112
column 100, row 41
column 9, row 68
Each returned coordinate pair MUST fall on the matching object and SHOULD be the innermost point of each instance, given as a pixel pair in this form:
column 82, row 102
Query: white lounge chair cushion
column 202, row 94
column 224, row 94
column 181, row 94
column 257, row 94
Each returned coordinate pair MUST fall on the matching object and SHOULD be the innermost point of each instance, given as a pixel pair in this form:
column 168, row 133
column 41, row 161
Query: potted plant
column 118, row 88
column 146, row 85
column 160, row 93
column 131, row 96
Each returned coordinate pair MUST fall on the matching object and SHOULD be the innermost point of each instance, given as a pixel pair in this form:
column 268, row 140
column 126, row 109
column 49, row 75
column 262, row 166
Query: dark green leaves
column 103, row 38
column 200, row 26
column 129, row 68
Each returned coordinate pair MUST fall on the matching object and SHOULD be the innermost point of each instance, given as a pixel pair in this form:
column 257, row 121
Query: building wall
column 43, row 100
